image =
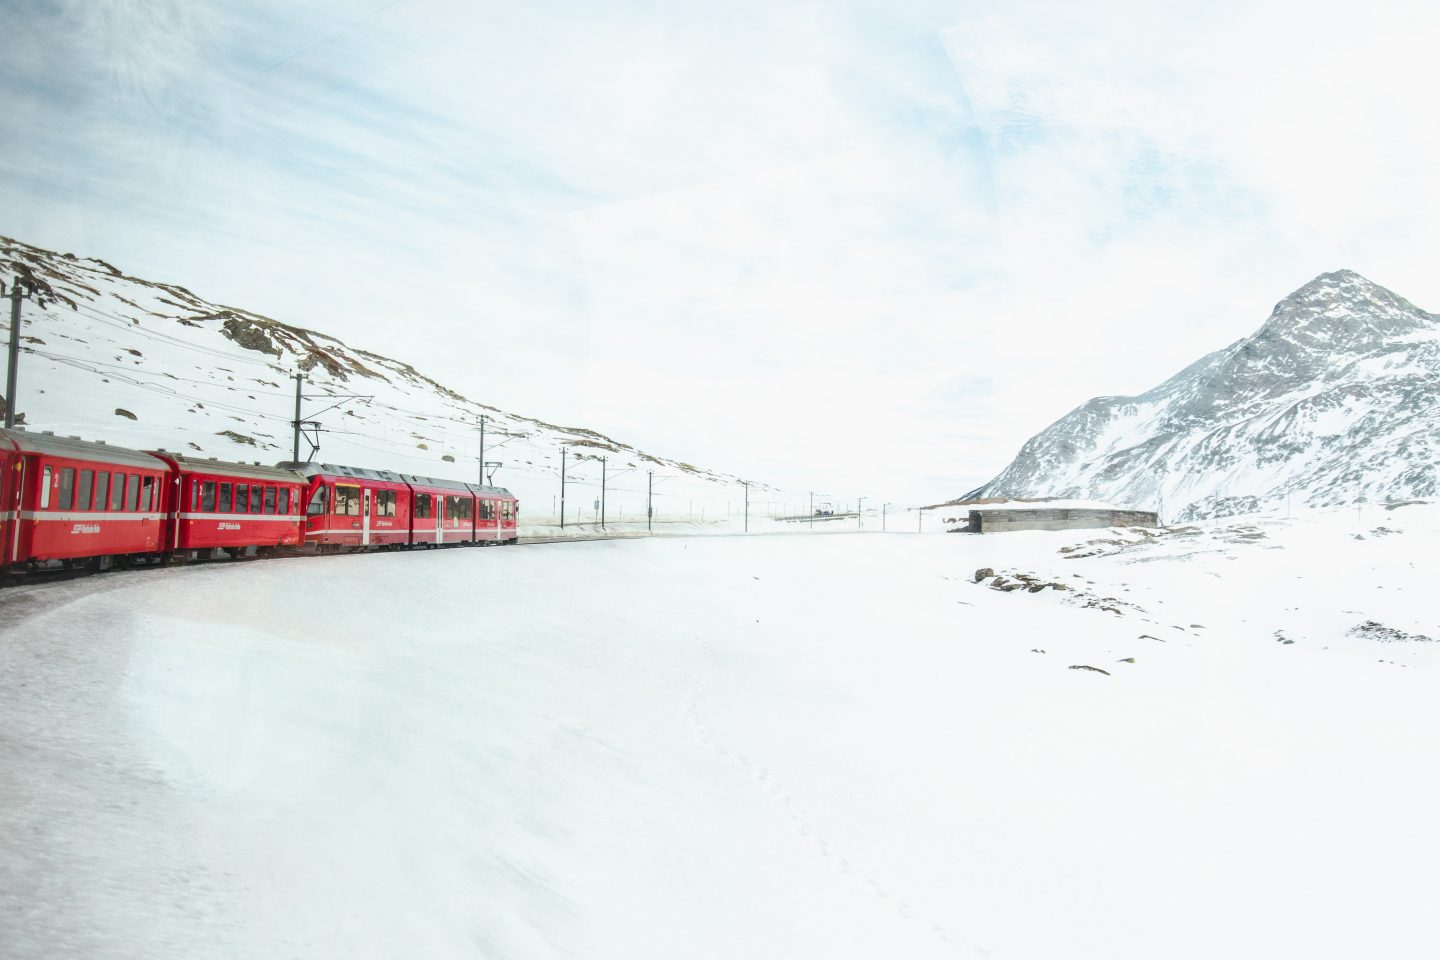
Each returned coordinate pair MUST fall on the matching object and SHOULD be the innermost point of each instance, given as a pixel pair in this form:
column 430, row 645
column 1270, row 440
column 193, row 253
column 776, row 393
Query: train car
column 443, row 511
column 68, row 503
column 218, row 509
column 496, row 514
column 353, row 508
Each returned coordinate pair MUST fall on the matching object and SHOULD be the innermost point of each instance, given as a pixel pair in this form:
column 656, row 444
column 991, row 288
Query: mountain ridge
column 1327, row 400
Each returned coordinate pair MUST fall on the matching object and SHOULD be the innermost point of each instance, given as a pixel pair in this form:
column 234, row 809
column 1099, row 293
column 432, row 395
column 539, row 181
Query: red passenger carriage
column 220, row 509
column 353, row 507
column 68, row 503
column 443, row 511
column 496, row 514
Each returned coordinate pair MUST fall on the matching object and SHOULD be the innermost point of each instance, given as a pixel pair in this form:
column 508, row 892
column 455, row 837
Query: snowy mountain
column 143, row 364
column 1332, row 401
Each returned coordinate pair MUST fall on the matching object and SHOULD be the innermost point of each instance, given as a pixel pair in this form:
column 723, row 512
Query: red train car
column 497, row 513
column 65, row 502
column 353, row 507
column 221, row 509
column 443, row 511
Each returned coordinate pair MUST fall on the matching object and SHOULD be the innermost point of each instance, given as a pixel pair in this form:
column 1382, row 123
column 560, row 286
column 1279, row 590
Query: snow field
column 725, row 747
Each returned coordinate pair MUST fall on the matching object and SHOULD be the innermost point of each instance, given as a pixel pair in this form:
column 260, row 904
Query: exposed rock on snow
column 1332, row 401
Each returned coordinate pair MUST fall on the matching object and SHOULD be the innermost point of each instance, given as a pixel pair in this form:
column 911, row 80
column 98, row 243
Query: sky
column 865, row 248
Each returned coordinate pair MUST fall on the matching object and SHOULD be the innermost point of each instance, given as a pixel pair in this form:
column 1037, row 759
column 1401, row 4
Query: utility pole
column 747, row 505
column 19, row 290
column 649, row 510
column 562, row 488
column 295, row 454
column 602, row 492
column 860, row 513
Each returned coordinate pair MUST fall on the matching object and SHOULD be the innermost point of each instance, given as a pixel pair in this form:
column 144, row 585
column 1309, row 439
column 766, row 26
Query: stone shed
column 1039, row 516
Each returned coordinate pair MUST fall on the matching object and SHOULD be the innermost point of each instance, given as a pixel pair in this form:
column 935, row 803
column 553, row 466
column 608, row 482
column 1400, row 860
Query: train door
column 365, row 518
column 12, row 471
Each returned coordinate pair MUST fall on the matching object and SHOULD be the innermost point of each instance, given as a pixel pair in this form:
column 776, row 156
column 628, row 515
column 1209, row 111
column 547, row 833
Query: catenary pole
column 18, row 292
column 603, row 461
column 747, row 506
column 860, row 514
column 812, row 509
column 562, row 488
column 649, row 508
column 482, row 449
column 295, row 455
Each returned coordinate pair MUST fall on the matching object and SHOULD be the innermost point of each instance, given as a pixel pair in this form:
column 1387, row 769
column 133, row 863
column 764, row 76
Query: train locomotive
column 68, row 504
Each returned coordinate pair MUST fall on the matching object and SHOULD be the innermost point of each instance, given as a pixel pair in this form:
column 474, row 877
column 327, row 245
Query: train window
column 132, row 493
column 255, row 496
column 83, row 488
column 102, row 489
column 67, row 488
column 242, row 498
column 45, row 490
column 487, row 510
column 207, row 497
column 269, row 499
column 422, row 506
column 347, row 501
column 226, row 501
column 149, row 497
column 318, row 502
column 283, row 504
column 117, row 491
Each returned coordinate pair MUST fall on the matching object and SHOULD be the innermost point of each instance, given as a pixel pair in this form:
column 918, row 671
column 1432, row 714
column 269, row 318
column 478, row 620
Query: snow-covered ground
column 720, row 747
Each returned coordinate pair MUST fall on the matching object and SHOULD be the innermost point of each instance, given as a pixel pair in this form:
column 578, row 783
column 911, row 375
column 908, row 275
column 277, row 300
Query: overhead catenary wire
column 160, row 388
column 135, row 329
column 126, row 374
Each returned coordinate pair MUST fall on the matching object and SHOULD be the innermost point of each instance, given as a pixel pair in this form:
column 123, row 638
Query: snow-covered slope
column 729, row 747
column 1332, row 401
column 133, row 362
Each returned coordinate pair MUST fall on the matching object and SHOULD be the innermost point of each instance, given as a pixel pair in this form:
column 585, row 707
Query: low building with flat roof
column 1051, row 515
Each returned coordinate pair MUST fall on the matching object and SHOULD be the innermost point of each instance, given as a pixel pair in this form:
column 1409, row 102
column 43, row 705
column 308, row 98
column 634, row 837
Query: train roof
column 419, row 481
column 253, row 471
column 390, row 476
column 340, row 470
column 480, row 491
column 76, row 449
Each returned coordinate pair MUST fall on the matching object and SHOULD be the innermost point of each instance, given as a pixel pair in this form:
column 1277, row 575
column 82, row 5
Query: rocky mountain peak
column 1333, row 400
column 1342, row 310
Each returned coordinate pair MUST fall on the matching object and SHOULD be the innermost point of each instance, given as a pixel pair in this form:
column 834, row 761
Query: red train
column 66, row 503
